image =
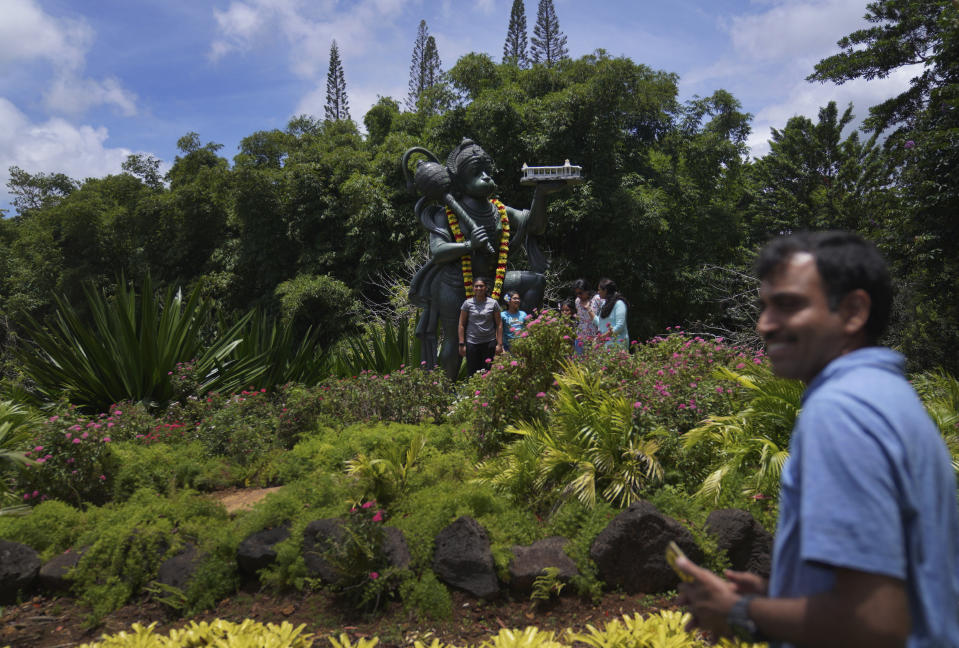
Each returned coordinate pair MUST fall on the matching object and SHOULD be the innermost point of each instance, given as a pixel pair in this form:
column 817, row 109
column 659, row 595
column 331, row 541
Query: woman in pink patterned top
column 586, row 301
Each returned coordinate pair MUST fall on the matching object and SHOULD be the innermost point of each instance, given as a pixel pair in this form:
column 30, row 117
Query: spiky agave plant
column 129, row 347
column 753, row 443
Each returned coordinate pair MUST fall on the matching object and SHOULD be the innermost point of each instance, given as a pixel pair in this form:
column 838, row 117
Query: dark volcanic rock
column 257, row 550
column 19, row 566
column 178, row 570
column 529, row 562
column 630, row 551
column 748, row 545
column 462, row 558
column 53, row 574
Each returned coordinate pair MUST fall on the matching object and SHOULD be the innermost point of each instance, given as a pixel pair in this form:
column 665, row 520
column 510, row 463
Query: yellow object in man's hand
column 673, row 552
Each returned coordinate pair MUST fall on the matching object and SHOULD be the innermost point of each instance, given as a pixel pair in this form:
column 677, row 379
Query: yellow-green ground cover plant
column 663, row 630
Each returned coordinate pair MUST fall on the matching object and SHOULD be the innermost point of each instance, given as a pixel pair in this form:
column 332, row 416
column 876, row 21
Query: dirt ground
column 59, row 622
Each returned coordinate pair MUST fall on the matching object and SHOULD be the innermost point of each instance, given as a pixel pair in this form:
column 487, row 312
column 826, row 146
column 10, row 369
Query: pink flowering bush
column 407, row 395
column 518, row 384
column 365, row 575
column 70, row 460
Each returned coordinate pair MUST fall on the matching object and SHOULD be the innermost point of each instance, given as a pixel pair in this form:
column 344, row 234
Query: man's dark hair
column 846, row 262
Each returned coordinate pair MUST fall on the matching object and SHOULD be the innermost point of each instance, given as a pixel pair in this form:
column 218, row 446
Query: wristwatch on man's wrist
column 738, row 619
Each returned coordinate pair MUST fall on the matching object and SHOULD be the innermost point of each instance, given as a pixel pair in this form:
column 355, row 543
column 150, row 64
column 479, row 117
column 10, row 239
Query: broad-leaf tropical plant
column 752, row 444
column 129, row 347
column 939, row 391
column 384, row 347
column 15, row 424
column 590, row 446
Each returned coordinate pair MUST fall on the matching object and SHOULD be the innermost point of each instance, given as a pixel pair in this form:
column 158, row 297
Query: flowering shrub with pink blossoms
column 517, row 386
column 71, row 459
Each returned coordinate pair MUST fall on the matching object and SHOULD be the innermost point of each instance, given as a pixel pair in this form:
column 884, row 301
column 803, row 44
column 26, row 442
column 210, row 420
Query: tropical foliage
column 752, row 445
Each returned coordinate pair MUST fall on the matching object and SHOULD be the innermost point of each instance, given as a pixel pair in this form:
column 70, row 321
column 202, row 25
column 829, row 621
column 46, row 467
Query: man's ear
column 854, row 309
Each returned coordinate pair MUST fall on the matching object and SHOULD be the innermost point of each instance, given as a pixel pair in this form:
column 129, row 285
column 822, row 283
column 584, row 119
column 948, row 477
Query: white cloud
column 54, row 146
column 73, row 95
column 806, row 99
column 308, row 27
column 28, row 34
column 794, row 30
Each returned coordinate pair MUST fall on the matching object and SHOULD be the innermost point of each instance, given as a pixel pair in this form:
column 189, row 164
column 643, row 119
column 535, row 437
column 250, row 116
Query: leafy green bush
column 51, row 528
column 940, row 394
column 71, row 460
column 131, row 540
column 383, row 348
column 165, row 467
column 514, row 388
column 410, row 395
column 240, row 427
column 318, row 302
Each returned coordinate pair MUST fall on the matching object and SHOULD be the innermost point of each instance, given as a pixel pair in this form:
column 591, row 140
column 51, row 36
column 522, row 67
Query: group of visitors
column 485, row 329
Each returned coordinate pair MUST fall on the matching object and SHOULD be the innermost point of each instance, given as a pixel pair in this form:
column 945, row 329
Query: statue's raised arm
column 471, row 235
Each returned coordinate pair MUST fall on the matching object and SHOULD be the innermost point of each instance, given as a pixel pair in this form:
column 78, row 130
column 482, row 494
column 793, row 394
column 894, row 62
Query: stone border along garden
column 397, row 487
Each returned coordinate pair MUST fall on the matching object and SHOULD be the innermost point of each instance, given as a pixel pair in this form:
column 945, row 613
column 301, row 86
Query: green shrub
column 165, row 467
column 15, row 425
column 319, row 302
column 410, row 395
column 240, row 427
column 425, row 596
column 516, row 386
column 52, row 527
column 72, row 460
column 131, row 540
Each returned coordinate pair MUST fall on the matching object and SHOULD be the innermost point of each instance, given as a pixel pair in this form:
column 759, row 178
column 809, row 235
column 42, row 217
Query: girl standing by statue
column 480, row 329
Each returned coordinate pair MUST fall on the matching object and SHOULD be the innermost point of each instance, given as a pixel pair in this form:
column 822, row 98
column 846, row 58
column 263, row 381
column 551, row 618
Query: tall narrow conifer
column 337, row 103
column 425, row 67
column 549, row 43
column 514, row 50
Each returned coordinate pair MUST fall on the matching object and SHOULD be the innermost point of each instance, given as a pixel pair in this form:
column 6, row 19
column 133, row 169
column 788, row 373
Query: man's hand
column 708, row 596
column 747, row 582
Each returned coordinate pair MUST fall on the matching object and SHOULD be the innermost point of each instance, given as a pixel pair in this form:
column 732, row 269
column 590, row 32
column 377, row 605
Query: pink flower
column 637, row 405
column 541, row 395
column 103, row 477
column 740, row 366
column 76, row 440
column 117, row 413
column 38, row 449
column 378, row 517
column 485, row 404
column 106, row 439
column 369, row 504
column 374, row 575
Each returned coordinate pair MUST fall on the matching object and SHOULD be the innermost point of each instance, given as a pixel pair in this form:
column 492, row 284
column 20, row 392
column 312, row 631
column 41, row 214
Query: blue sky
column 84, row 83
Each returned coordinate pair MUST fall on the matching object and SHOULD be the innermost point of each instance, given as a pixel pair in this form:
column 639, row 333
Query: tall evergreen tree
column 416, row 66
column 425, row 68
column 337, row 104
column 549, row 43
column 514, row 50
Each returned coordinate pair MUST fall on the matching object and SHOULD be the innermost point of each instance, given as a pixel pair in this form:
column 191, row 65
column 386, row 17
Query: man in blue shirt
column 867, row 545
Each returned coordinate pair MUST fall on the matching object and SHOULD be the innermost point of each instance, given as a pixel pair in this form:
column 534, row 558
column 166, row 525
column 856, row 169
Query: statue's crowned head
column 466, row 156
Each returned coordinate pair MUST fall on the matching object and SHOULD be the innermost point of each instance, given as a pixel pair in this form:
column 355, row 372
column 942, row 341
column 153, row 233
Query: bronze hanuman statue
column 471, row 235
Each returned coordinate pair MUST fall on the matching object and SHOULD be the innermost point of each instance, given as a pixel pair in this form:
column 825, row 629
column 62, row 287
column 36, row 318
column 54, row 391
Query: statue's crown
column 466, row 152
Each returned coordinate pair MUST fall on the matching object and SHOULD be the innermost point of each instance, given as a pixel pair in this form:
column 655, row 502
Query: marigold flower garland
column 467, row 261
